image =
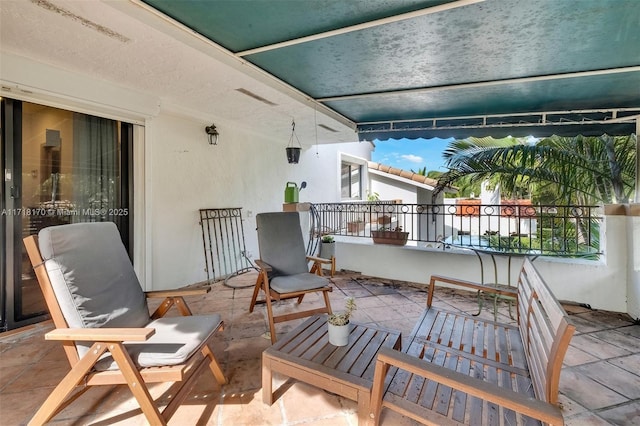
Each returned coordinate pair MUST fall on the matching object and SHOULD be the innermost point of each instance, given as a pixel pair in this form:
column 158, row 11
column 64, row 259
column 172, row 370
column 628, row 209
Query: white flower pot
column 328, row 250
column 338, row 334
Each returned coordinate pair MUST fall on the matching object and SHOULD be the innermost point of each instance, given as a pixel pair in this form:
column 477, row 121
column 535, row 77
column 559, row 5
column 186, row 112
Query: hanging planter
column 293, row 152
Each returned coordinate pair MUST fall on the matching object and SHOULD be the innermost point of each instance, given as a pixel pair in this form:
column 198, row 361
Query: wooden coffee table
column 305, row 354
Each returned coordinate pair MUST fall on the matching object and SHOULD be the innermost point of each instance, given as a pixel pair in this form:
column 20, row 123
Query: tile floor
column 600, row 383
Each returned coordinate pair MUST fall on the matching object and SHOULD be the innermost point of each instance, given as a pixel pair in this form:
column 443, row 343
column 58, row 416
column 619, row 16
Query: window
column 351, row 181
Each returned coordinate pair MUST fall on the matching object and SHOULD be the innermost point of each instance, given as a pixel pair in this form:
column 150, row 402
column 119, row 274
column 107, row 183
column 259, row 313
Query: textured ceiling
column 421, row 60
column 123, row 43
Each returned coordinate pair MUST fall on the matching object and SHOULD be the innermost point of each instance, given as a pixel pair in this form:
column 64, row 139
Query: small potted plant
column 338, row 324
column 328, row 247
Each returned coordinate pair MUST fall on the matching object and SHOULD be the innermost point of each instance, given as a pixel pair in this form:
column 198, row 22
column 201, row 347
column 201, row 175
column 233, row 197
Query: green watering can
column 292, row 192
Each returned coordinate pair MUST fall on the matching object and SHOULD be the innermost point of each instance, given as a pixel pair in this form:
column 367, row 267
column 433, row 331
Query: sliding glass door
column 60, row 167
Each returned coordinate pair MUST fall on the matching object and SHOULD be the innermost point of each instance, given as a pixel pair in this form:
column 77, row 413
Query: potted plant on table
column 338, row 324
column 386, row 236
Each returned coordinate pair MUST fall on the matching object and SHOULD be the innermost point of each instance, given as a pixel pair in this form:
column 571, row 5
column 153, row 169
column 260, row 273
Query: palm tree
column 421, row 171
column 583, row 170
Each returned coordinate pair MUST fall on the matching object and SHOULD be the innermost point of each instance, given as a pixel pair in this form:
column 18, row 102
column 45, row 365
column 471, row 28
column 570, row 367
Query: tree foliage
column 584, row 170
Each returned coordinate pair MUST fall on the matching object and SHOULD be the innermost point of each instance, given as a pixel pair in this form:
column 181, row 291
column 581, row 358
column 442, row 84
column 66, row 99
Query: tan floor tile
column 43, row 374
column 317, row 403
column 586, row 391
column 247, row 409
column 569, row 407
column 198, row 409
column 615, row 378
column 626, row 414
column 620, row 340
column 630, row 363
column 18, row 407
column 586, row 419
column 596, row 347
column 242, row 330
column 577, row 356
column 244, row 375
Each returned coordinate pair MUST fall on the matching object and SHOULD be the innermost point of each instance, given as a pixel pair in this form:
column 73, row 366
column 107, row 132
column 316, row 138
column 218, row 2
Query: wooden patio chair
column 101, row 316
column 284, row 268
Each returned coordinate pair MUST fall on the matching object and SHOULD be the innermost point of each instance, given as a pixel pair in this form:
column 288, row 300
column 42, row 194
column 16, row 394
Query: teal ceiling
column 461, row 59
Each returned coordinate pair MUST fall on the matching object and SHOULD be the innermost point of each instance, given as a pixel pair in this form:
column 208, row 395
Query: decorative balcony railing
column 513, row 227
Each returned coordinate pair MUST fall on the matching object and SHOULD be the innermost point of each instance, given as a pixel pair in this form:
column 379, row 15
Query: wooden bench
column 461, row 369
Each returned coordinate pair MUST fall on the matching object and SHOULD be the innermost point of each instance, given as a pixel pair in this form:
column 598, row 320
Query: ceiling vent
column 327, row 128
column 256, row 97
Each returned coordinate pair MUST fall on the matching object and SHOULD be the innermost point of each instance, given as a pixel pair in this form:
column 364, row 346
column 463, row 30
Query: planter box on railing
column 397, row 238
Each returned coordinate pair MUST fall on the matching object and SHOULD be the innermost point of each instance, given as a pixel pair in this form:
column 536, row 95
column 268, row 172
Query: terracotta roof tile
column 402, row 173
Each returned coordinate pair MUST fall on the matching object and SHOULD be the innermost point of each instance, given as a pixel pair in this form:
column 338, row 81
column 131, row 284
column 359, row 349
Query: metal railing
column 514, row 227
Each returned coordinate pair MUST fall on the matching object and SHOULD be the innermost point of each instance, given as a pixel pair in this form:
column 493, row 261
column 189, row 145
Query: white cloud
column 412, row 158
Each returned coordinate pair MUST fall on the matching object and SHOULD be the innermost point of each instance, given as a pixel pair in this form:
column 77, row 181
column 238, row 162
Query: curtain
column 95, row 167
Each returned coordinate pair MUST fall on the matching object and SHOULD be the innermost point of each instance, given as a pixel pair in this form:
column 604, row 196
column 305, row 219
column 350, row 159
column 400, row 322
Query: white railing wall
column 610, row 283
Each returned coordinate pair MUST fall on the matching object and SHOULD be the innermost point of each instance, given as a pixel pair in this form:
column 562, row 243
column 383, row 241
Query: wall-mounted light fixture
column 213, row 134
column 293, row 152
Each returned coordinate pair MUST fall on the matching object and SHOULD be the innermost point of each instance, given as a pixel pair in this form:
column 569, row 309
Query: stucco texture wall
column 245, row 170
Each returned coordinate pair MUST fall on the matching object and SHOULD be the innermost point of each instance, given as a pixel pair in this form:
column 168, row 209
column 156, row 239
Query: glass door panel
column 67, row 168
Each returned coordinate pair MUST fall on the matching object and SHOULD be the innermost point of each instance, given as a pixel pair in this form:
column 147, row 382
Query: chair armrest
column 177, row 292
column 263, row 265
column 318, row 259
column 507, row 398
column 101, row 334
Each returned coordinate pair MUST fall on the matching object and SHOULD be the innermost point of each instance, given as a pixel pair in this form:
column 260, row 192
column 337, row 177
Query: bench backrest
column 545, row 329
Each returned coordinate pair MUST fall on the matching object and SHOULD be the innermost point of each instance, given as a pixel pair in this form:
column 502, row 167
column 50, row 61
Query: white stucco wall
column 393, row 189
column 244, row 170
column 177, row 172
column 633, row 286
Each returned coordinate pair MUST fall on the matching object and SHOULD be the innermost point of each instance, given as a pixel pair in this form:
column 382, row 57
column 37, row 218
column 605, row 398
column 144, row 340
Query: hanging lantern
column 293, row 152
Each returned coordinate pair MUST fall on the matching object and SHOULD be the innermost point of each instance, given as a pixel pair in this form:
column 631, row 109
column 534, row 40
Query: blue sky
column 411, row 154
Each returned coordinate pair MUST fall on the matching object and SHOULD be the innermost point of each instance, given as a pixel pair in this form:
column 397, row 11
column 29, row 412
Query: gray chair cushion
column 281, row 243
column 298, row 282
column 92, row 276
column 175, row 340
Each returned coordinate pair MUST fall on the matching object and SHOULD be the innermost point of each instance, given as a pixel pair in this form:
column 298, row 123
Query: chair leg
column 68, row 383
column 272, row 326
column 214, row 366
column 300, row 299
column 256, row 290
column 136, row 384
column 326, row 301
column 333, row 266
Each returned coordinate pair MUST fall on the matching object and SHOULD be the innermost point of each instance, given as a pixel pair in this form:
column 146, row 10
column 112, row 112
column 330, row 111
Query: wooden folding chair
column 101, row 316
column 283, row 268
